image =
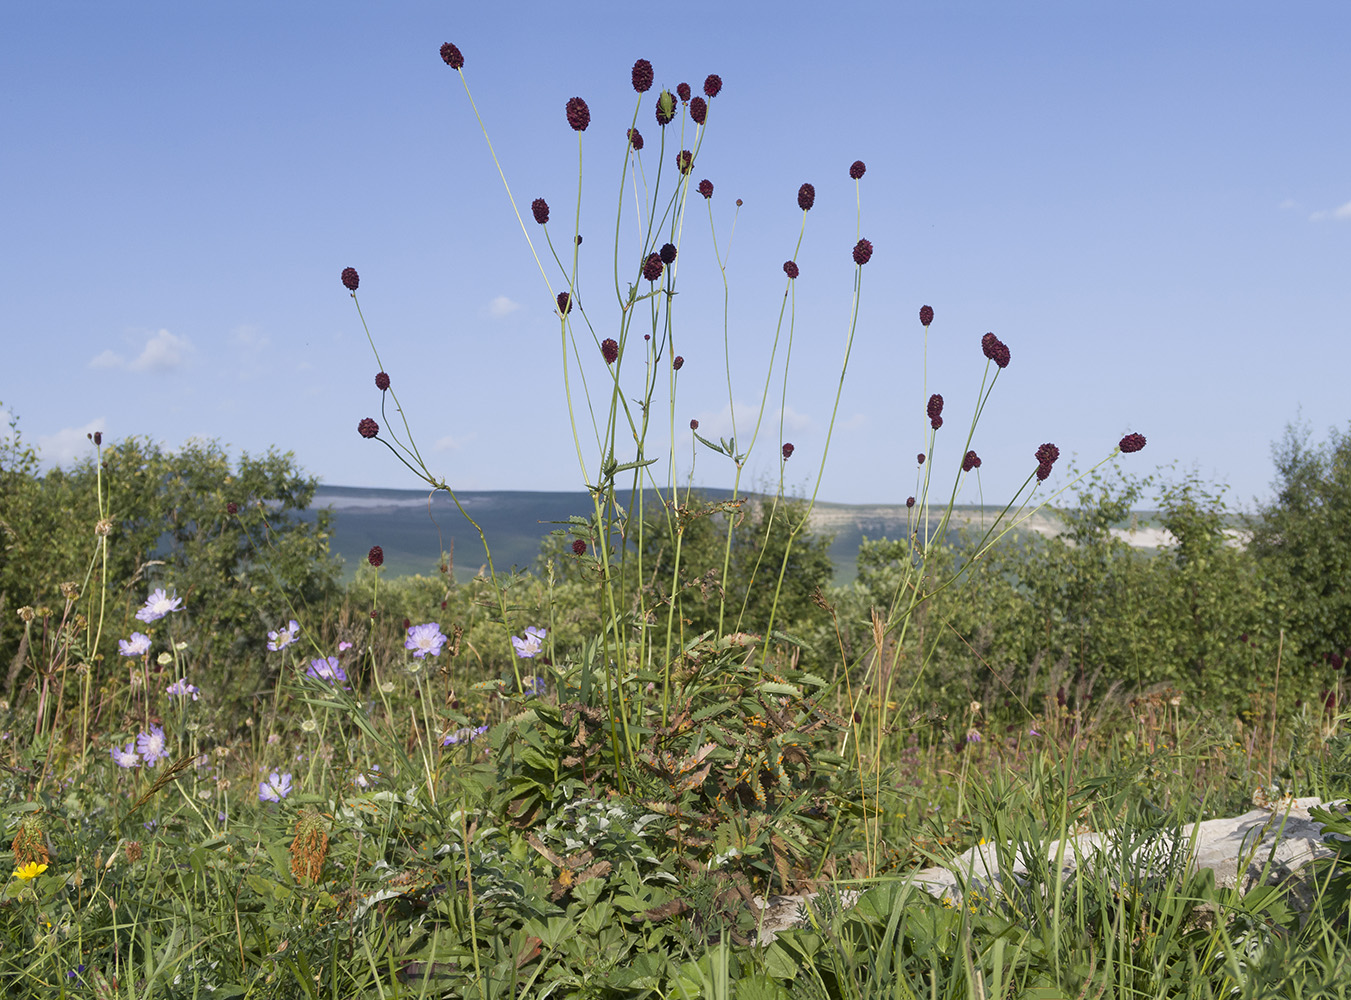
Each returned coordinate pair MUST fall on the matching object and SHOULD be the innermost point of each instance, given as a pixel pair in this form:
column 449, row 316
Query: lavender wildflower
column 425, row 640
column 157, row 605
column 275, row 788
column 283, row 637
column 137, row 645
column 531, row 644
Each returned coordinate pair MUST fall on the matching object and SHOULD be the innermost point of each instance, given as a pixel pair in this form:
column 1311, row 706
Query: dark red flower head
column 232, row 508
column 381, row 381
column 578, row 240
column 920, row 458
column 376, row 556
column 935, row 407
column 677, row 362
column 652, row 267
column 806, row 197
column 712, row 85
column 1048, row 453
column 971, row 461
column 540, row 208
column 910, row 501
column 995, row 349
column 452, row 56
column 683, row 89
column 926, row 315
column 564, row 303
column 667, row 253
column 857, row 169
column 642, row 76
column 698, row 110
column 97, row 438
column 738, row 203
column 790, row 268
column 635, row 138
column 665, row 107
column 684, row 161
column 1132, row 443
column 787, row 450
column 706, row 188
column 579, row 548
column 367, row 427
column 579, row 115
column 350, row 278
column 863, row 252
column 694, row 425
column 609, row 350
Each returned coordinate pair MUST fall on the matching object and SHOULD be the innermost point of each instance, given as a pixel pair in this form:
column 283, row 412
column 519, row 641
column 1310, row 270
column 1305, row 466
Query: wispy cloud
column 1342, row 213
column 163, row 352
column 448, row 443
column 70, row 443
column 499, row 307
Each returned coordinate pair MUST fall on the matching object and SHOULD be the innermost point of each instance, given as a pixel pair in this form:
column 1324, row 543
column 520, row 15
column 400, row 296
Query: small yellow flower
column 29, row 871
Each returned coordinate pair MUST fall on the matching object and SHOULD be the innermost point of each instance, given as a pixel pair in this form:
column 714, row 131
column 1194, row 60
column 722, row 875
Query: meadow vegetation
column 228, row 774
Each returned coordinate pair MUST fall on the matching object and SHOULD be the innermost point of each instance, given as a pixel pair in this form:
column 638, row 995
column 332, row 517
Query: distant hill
column 413, row 530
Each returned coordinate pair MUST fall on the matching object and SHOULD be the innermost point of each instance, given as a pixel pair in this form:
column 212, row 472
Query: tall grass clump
column 226, row 776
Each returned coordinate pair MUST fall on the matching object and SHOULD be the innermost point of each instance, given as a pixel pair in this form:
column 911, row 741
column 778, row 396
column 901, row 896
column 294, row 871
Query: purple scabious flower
column 857, row 169
column 635, row 138
column 381, row 381
column 712, row 85
column 151, row 746
column 452, row 56
column 863, row 252
column 275, row 787
column 787, row 450
column 350, row 278
column 425, row 640
column 126, row 757
column 326, row 669
column 970, row 461
column 376, row 556
column 609, row 348
column 652, row 267
column 665, row 108
column 790, row 268
column 683, row 89
column 182, row 689
column 667, row 253
column 579, row 115
column 642, row 76
column 367, row 427
column 531, row 644
column 157, row 605
column 706, row 188
column 465, row 734
column 137, row 645
column 806, row 197
column 283, row 637
column 698, row 110
column 540, row 209
column 684, row 161
column 564, row 303
column 1132, row 443
column 926, row 315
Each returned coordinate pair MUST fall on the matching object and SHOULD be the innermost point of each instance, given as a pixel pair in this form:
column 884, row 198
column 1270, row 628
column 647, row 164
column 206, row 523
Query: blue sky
column 1150, row 203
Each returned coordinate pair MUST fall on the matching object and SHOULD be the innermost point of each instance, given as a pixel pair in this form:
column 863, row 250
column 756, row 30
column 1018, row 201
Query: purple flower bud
column 1132, row 443
column 376, row 556
column 579, row 115
column 540, row 208
column 579, row 548
column 935, row 407
column 926, row 315
column 694, row 425
column 232, row 508
column 677, row 362
column 971, row 461
column 920, row 458
column 863, row 252
column 706, row 188
column 564, row 303
column 381, row 381
column 712, row 85
column 635, row 138
column 856, row 169
column 787, row 451
column 368, row 428
column 995, row 349
column 452, row 57
column 665, row 107
column 609, row 349
column 698, row 110
column 652, row 267
column 910, row 501
column 667, row 253
column 683, row 90
column 642, row 76
column 790, row 268
column 806, row 197
column 350, row 278
column 684, row 161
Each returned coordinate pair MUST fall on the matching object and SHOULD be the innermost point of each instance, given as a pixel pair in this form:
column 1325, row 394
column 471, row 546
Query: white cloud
column 1341, row 213
column 163, row 352
column 447, row 443
column 69, row 444
column 499, row 307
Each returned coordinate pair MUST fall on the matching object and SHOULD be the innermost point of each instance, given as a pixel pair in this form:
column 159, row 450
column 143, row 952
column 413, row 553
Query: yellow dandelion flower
column 29, row 871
